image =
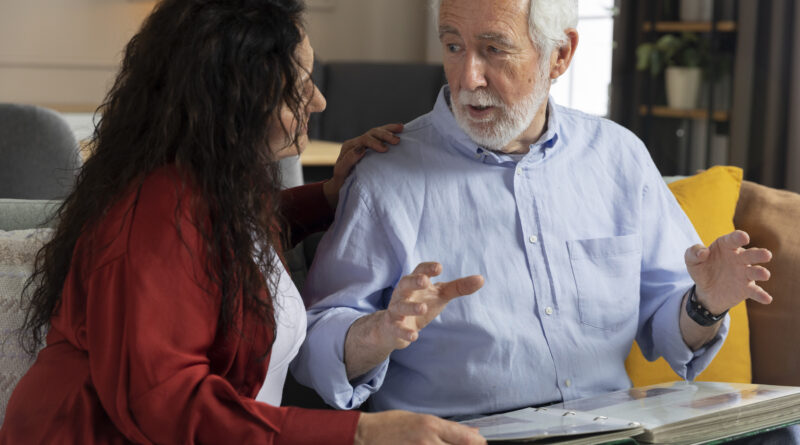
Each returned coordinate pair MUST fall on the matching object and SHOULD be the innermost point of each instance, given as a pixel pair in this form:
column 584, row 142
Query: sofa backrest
column 16, row 214
column 39, row 151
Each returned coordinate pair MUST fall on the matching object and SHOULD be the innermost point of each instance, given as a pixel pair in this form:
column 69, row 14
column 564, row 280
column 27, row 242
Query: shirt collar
column 446, row 124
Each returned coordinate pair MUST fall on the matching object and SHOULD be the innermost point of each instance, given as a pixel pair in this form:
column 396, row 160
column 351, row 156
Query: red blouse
column 133, row 353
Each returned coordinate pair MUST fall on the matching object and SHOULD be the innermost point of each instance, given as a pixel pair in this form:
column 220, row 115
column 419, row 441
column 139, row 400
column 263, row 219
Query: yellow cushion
column 709, row 200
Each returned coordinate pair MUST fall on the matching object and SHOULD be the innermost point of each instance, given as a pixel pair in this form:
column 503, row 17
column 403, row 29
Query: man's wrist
column 698, row 311
column 366, row 344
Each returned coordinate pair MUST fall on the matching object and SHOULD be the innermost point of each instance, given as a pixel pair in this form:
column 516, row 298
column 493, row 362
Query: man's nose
column 474, row 73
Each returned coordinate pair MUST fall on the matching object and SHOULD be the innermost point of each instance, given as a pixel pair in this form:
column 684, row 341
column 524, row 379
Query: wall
column 64, row 53
column 372, row 30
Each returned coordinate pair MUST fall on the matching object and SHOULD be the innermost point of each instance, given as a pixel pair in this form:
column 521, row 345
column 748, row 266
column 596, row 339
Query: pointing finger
column 460, row 287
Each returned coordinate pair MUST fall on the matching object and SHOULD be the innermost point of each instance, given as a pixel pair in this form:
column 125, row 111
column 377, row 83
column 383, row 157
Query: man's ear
column 562, row 56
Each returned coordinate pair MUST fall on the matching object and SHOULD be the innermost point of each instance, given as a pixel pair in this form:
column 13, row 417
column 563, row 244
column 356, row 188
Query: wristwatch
column 699, row 313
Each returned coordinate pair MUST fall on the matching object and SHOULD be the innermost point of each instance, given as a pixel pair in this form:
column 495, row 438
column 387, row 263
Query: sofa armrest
column 16, row 214
column 771, row 218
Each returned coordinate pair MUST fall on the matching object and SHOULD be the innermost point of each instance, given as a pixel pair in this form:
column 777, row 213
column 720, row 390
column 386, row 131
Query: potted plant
column 681, row 57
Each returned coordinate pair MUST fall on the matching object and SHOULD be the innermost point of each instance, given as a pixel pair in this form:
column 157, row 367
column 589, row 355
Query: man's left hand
column 726, row 273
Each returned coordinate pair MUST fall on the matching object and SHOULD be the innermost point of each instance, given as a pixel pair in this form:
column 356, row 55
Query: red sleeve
column 306, row 211
column 150, row 330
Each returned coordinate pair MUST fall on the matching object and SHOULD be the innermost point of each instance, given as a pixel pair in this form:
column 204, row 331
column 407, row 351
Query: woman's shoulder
column 148, row 221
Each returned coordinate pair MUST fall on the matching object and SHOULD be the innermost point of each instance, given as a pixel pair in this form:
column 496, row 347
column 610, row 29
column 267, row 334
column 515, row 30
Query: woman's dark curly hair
column 198, row 87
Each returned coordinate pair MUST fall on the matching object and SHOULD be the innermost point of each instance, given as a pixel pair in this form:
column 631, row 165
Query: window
column 585, row 85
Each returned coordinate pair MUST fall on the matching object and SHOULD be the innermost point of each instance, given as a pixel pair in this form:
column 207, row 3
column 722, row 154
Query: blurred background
column 701, row 82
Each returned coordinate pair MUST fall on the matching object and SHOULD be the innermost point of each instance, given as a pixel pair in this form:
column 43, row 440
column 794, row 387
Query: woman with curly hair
column 167, row 313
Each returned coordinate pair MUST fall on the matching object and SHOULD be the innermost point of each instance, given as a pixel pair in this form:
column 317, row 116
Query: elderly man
column 582, row 247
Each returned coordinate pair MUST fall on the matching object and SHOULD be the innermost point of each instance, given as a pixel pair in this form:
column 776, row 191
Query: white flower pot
column 683, row 86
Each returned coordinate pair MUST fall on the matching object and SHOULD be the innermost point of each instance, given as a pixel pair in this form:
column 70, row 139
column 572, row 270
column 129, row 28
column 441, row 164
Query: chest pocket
column 606, row 272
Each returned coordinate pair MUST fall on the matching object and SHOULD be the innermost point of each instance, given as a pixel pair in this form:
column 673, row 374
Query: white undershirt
column 290, row 321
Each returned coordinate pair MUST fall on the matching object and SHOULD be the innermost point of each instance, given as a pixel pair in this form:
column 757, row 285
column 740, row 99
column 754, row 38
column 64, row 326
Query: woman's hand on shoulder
column 403, row 427
column 353, row 150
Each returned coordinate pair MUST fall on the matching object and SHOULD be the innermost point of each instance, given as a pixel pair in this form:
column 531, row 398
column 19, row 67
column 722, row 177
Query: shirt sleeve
column 306, row 211
column 151, row 327
column 354, row 272
column 666, row 234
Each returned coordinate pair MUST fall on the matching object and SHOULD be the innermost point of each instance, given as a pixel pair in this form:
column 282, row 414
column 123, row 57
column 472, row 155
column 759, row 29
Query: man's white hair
column 547, row 20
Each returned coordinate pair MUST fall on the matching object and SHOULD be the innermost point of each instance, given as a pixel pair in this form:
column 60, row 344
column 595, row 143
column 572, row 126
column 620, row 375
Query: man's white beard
column 496, row 133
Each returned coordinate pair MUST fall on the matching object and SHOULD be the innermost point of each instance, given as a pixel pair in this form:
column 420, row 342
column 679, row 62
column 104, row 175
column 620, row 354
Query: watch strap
column 699, row 313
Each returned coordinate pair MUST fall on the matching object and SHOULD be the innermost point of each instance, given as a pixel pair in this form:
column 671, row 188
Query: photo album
column 676, row 412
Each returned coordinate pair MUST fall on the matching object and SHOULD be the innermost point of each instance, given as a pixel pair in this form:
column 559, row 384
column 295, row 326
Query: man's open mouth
column 480, row 108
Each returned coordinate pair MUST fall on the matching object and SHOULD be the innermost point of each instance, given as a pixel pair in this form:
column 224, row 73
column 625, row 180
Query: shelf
column 722, row 26
column 698, row 114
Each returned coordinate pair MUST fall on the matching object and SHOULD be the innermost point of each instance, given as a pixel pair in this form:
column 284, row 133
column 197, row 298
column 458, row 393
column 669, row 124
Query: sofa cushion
column 771, row 218
column 17, row 252
column 16, row 214
column 709, row 200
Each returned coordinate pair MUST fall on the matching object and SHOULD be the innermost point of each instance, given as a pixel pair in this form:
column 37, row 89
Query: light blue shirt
column 581, row 244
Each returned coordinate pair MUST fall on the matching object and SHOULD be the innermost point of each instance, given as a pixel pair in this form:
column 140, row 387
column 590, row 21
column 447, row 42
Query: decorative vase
column 683, row 86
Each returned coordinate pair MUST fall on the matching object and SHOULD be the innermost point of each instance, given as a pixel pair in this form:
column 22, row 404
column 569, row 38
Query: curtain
column 765, row 121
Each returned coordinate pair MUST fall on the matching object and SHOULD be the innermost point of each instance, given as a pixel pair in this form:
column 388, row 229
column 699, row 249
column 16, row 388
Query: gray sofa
column 17, row 214
column 40, row 154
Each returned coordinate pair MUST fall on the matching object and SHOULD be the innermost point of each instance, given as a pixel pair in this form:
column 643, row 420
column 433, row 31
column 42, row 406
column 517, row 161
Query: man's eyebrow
column 447, row 30
column 497, row 38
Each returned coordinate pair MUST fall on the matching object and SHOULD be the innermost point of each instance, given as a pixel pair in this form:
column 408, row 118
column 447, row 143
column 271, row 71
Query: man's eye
column 453, row 48
column 494, row 50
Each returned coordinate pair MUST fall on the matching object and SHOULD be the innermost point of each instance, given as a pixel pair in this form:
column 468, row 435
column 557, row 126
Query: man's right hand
column 415, row 302
column 402, row 427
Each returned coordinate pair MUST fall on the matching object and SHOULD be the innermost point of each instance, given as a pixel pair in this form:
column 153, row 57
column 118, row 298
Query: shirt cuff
column 686, row 363
column 320, row 363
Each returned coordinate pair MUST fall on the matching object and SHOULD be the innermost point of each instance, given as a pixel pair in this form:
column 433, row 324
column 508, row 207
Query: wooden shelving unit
column 700, row 113
column 676, row 135
column 722, row 26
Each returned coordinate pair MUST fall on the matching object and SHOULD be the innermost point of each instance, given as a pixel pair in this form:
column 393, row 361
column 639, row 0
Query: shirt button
column 519, row 171
column 548, row 310
column 533, row 239
column 568, row 383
